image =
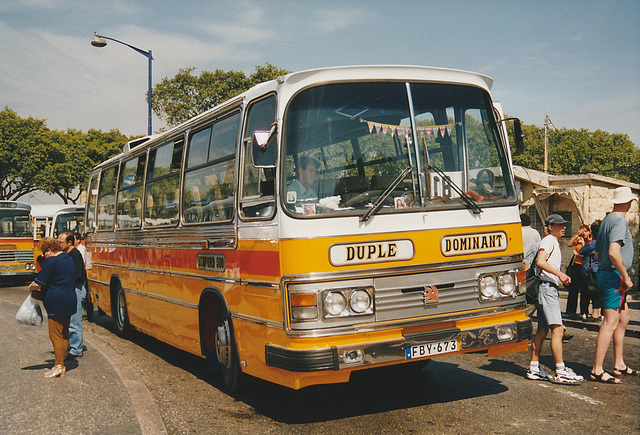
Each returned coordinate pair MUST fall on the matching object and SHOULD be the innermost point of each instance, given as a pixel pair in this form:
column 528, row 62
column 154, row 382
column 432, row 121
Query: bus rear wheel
column 120, row 316
column 227, row 354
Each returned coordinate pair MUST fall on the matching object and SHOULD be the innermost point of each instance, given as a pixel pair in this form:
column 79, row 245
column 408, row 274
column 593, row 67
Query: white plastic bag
column 30, row 312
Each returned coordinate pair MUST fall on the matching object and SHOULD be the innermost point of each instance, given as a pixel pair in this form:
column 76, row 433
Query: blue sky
column 576, row 60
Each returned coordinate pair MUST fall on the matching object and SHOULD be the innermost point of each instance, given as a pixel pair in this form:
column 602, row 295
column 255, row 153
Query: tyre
column 120, row 316
column 227, row 354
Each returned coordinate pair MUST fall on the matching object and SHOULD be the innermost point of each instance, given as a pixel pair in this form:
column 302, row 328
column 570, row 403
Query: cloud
column 333, row 20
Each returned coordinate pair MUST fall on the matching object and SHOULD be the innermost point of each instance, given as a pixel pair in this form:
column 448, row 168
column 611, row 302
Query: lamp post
column 100, row 41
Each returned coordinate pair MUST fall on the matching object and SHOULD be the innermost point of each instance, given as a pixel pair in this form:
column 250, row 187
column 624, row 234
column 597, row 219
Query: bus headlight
column 360, row 301
column 488, row 286
column 506, row 284
column 335, row 304
column 347, row 302
column 498, row 285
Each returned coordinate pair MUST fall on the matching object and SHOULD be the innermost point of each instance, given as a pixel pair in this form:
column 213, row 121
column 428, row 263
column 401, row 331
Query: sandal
column 609, row 380
column 627, row 371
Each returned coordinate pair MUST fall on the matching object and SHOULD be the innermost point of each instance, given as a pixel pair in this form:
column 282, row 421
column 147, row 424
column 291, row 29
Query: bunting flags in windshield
column 432, row 131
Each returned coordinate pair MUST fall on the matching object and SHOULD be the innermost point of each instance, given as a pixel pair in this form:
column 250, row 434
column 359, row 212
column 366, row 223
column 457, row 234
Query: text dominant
column 473, row 243
column 373, row 252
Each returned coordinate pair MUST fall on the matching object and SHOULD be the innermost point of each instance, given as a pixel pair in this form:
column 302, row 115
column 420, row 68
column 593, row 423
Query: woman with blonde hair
column 57, row 283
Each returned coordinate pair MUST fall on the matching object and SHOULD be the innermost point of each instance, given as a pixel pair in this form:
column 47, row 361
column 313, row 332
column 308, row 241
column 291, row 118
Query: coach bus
column 16, row 242
column 328, row 221
column 52, row 220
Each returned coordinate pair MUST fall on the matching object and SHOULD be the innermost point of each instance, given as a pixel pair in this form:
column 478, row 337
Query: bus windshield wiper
column 466, row 198
column 390, row 188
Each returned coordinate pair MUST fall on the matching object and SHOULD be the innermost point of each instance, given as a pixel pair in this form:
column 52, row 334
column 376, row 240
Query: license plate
column 430, row 349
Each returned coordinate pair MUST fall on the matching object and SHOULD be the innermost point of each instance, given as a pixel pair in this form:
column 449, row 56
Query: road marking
column 574, row 395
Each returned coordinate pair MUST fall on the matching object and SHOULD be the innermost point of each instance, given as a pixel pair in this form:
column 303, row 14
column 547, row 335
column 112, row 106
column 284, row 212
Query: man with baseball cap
column 548, row 264
column 614, row 250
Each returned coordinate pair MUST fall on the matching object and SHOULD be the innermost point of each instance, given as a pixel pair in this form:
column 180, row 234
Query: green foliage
column 572, row 151
column 33, row 157
column 185, row 95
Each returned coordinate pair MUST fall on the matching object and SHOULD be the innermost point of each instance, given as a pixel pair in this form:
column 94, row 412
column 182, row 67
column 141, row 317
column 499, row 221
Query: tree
column 21, row 153
column 185, row 95
column 572, row 151
column 72, row 155
column 33, row 157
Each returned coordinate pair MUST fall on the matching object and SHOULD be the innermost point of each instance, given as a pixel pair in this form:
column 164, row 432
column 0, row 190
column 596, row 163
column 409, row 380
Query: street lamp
column 100, row 41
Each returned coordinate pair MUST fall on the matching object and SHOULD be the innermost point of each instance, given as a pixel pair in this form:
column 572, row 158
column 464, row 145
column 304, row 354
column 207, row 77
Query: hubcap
column 121, row 308
column 223, row 348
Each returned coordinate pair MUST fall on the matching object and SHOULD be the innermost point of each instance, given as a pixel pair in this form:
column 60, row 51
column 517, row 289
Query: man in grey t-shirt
column 614, row 250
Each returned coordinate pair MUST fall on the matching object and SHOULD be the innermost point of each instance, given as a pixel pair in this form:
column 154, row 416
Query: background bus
column 16, row 242
column 405, row 244
column 53, row 219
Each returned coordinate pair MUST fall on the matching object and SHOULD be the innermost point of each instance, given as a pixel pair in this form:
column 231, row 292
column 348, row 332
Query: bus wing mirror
column 518, row 135
column 263, row 148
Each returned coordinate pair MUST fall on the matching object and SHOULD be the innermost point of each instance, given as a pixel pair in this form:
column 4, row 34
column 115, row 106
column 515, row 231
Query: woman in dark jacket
column 57, row 283
column 588, row 272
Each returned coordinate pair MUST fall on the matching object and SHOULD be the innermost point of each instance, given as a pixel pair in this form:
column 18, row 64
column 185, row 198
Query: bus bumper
column 507, row 337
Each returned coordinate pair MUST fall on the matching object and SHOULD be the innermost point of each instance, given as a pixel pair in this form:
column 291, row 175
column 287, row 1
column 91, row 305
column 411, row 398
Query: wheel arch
column 209, row 305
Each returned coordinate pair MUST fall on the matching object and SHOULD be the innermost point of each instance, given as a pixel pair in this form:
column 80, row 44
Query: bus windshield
column 346, row 145
column 15, row 222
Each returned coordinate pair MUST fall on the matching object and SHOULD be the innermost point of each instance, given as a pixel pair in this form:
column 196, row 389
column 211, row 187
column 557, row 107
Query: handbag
column 37, row 295
column 532, row 282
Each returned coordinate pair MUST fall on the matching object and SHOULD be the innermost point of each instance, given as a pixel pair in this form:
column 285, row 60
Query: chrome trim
column 95, row 281
column 162, row 298
column 167, row 237
column 394, row 350
column 258, row 321
column 421, row 268
column 404, row 323
column 220, row 279
column 390, row 351
column 398, row 299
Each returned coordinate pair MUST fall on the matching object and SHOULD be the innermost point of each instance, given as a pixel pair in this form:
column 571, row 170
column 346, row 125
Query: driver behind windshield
column 307, row 174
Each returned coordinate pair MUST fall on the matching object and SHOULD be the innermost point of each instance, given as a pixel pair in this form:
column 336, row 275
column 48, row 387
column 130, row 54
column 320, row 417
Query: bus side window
column 92, row 195
column 209, row 180
column 257, row 197
column 107, row 198
column 162, row 205
column 130, row 193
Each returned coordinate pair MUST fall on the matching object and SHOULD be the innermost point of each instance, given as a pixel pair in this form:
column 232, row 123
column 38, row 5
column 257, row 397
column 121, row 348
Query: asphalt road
column 144, row 386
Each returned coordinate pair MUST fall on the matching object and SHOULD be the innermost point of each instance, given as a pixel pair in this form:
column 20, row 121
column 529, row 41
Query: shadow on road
column 369, row 392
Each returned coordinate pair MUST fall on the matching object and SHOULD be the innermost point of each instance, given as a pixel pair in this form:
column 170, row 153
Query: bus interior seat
column 196, row 209
column 326, row 187
column 348, row 187
column 381, row 182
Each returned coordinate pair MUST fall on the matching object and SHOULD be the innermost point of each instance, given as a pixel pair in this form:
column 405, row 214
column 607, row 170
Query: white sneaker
column 567, row 376
column 538, row 374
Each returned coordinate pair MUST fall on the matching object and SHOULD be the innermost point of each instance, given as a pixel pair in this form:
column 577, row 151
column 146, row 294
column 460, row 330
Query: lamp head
column 97, row 41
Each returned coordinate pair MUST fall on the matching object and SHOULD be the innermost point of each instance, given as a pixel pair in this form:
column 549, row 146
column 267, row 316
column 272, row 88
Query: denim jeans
column 75, row 327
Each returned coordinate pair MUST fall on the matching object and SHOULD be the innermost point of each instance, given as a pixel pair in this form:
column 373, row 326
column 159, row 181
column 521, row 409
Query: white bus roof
column 300, row 79
column 49, row 210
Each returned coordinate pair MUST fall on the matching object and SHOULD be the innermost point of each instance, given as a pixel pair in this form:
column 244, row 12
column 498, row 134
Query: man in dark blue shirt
column 75, row 327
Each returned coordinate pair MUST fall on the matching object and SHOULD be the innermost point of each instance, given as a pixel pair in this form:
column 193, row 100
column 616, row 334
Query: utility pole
column 546, row 144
